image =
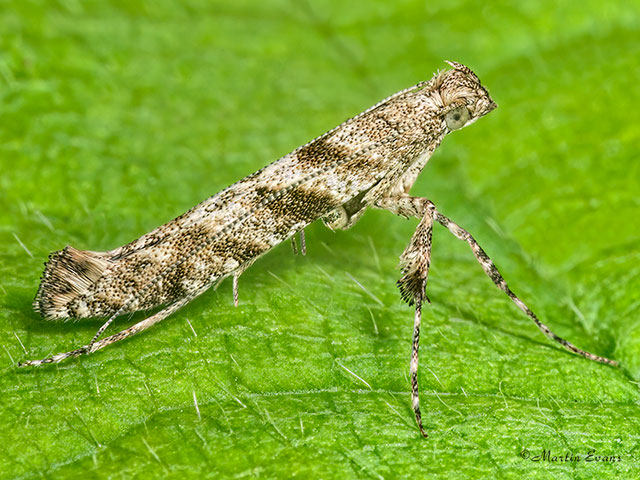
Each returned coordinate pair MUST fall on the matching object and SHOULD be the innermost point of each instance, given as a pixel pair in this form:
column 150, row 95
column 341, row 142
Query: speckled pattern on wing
column 356, row 163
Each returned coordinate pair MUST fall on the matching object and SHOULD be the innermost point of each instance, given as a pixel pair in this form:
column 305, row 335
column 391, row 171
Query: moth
column 370, row 160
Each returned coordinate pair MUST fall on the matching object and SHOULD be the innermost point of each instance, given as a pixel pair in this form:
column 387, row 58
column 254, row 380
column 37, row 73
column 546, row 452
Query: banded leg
column 408, row 206
column 303, row 244
column 129, row 332
column 236, row 276
column 495, row 276
column 413, row 206
column 415, row 262
column 415, row 398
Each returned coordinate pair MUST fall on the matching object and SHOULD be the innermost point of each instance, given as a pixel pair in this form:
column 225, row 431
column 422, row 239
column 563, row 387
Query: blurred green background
column 117, row 116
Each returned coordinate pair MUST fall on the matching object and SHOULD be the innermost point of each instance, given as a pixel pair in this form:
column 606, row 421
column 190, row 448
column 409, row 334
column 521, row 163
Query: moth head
column 461, row 97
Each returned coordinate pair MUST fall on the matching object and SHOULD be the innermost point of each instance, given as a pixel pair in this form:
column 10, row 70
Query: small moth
column 370, row 160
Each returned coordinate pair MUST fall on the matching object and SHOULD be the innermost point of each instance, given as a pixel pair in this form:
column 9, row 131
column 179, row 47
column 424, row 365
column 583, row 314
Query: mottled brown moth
column 370, row 160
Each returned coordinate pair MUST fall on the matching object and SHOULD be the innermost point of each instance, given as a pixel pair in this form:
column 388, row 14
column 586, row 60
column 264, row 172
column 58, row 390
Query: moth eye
column 457, row 118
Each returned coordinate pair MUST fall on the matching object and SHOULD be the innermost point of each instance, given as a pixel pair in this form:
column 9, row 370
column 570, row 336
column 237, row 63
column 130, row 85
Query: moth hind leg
column 95, row 345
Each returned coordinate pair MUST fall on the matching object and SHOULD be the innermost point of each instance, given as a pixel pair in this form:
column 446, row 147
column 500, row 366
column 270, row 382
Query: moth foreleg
column 492, row 272
column 412, row 286
column 412, row 206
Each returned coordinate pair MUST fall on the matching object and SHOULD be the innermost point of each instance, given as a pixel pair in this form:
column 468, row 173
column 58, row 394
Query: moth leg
column 236, row 276
column 408, row 206
column 94, row 346
column 104, row 326
column 336, row 219
column 493, row 273
column 415, row 262
column 303, row 243
column 415, row 345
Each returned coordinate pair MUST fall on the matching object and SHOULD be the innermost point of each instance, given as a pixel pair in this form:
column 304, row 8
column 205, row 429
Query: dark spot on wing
column 320, row 152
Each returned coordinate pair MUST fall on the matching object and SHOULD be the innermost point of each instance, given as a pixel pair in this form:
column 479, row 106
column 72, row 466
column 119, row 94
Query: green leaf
column 118, row 116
